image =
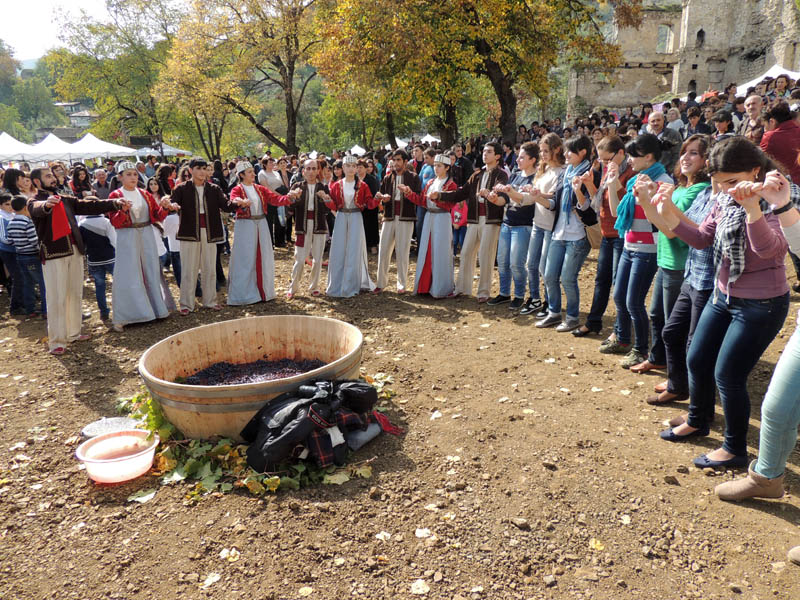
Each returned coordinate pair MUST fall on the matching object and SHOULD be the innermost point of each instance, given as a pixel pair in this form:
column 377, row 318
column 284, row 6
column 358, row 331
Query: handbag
column 594, row 235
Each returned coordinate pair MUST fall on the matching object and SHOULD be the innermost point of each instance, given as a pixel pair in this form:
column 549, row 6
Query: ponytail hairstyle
column 738, row 154
column 643, row 145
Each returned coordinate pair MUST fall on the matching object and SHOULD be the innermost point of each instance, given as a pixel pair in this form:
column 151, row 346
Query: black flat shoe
column 670, row 436
column 583, row 331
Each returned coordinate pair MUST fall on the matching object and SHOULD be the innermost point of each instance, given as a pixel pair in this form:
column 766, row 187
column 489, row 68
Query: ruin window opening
column 701, row 39
column 693, row 86
column 666, row 38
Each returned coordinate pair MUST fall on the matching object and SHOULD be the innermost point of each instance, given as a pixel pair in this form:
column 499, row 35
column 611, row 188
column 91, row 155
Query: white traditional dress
column 251, row 276
column 348, row 264
column 137, row 294
column 434, row 273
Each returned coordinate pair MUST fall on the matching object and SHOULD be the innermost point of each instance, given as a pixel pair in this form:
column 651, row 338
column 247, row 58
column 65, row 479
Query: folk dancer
column 61, row 250
column 434, row 274
column 310, row 227
column 399, row 215
column 137, row 293
column 348, row 268
column 251, row 277
column 484, row 215
column 199, row 231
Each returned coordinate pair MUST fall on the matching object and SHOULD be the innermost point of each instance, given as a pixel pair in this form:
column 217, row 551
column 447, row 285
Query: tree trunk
column 291, row 125
column 448, row 127
column 504, row 90
column 390, row 132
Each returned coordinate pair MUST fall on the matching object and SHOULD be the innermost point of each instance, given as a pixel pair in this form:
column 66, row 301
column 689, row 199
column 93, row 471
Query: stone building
column 685, row 45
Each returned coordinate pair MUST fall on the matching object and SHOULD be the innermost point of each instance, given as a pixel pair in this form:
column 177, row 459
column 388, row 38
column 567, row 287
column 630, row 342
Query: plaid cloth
column 730, row 237
column 319, row 442
column 699, row 271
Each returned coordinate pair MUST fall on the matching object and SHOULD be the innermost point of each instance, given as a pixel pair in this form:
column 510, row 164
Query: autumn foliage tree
column 116, row 63
column 234, row 52
column 426, row 47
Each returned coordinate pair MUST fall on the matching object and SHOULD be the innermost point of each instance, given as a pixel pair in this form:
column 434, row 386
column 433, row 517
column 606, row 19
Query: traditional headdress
column 242, row 166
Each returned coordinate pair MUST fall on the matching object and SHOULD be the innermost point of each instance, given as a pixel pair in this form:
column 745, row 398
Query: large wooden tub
column 202, row 411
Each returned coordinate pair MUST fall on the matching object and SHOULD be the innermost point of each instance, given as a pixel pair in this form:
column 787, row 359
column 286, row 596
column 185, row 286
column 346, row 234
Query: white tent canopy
column 429, row 139
column 53, row 148
column 90, row 146
column 13, row 149
column 357, row 150
column 773, row 72
column 167, row 149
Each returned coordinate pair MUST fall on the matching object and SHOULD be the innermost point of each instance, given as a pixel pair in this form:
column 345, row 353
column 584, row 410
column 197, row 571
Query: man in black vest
column 398, row 221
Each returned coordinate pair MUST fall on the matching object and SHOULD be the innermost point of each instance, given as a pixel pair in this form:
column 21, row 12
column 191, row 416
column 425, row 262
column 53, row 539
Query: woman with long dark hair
column 81, row 184
column 12, row 181
column 751, row 298
column 780, row 411
column 697, row 274
column 692, row 177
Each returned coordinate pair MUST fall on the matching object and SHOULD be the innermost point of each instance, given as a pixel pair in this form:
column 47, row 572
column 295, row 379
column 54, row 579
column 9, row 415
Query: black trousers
column 677, row 335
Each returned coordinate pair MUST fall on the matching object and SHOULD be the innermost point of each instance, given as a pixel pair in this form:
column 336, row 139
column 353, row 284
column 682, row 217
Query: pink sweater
column 764, row 274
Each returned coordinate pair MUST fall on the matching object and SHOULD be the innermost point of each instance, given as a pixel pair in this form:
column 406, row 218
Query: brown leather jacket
column 320, row 210
column 214, row 201
column 469, row 192
column 42, row 218
column 408, row 211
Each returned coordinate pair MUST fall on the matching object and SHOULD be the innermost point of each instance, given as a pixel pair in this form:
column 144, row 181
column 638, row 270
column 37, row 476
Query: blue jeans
column 607, row 260
column 458, row 238
column 175, row 259
column 666, row 289
column 780, row 412
column 421, row 212
column 635, row 273
column 564, row 262
column 678, row 333
column 728, row 341
column 537, row 259
column 30, row 267
column 98, row 275
column 9, row 259
column 512, row 253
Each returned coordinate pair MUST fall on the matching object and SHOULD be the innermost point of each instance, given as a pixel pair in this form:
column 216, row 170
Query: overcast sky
column 29, row 28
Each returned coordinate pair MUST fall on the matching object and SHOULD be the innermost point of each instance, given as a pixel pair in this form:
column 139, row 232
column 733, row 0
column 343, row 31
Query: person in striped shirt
column 22, row 235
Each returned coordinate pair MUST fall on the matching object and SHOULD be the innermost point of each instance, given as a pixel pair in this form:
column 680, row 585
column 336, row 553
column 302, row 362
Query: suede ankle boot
column 752, row 486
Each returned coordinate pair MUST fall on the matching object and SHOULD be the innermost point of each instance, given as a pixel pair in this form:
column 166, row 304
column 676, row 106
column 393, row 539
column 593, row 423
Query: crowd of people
column 695, row 206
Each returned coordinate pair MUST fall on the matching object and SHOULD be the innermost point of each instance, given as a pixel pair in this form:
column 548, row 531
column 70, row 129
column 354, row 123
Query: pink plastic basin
column 118, row 455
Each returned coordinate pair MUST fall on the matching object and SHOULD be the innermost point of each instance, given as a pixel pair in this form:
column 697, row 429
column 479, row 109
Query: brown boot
column 794, row 555
column 752, row 486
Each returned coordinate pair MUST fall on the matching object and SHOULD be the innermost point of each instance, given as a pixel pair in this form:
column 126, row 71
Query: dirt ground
column 543, row 477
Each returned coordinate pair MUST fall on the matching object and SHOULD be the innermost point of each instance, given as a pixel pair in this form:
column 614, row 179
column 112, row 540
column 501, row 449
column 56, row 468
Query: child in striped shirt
column 22, row 235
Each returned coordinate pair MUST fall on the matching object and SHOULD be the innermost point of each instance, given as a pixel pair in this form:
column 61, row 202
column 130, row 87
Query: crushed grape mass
column 225, row 373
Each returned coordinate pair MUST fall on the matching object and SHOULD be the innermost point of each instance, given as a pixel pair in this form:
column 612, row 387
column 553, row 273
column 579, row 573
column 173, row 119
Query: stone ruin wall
column 714, row 42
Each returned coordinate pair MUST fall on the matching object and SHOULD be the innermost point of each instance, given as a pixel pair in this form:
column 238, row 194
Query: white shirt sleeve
column 792, row 234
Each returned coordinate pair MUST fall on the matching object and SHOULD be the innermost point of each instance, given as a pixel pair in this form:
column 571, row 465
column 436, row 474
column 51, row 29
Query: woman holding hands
column 780, row 411
column 434, row 274
column 348, row 268
column 750, row 300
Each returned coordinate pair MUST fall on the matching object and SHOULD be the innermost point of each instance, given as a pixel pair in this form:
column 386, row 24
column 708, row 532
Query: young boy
column 100, row 239
column 22, row 235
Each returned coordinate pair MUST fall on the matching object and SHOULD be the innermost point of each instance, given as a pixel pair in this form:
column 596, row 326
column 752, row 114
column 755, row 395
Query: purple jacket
column 764, row 273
